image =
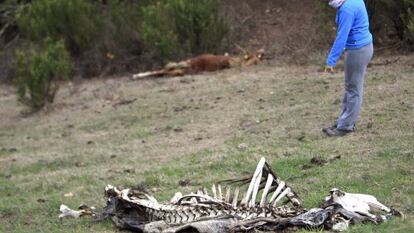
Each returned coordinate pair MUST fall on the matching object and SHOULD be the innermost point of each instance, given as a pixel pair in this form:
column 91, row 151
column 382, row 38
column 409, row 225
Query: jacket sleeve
column 345, row 22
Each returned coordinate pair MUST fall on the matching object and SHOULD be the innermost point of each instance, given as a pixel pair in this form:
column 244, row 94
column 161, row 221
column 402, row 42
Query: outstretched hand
column 329, row 69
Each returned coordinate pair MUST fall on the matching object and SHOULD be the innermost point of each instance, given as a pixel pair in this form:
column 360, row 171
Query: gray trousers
column 356, row 62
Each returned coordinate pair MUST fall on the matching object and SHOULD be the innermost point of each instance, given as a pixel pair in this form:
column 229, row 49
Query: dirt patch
column 319, row 162
column 287, row 29
column 8, row 217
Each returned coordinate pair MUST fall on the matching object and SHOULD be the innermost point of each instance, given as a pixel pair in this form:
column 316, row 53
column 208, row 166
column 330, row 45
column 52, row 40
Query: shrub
column 8, row 28
column 39, row 73
column 120, row 34
column 72, row 21
column 409, row 24
column 123, row 23
column 184, row 27
column 158, row 29
column 399, row 12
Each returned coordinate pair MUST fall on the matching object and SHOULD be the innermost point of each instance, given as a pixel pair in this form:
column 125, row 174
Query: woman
column 354, row 37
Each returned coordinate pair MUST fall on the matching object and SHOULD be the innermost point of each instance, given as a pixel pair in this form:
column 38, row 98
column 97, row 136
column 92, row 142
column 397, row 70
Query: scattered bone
column 66, row 212
column 177, row 196
column 69, row 195
column 342, row 224
column 358, row 203
column 242, row 146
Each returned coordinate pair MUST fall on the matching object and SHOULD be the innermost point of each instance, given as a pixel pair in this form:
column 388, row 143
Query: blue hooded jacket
column 353, row 29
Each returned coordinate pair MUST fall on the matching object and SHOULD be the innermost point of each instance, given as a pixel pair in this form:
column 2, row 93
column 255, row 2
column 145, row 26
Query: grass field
column 159, row 132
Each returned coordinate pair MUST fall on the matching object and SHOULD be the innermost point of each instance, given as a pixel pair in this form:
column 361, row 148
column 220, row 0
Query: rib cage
column 264, row 193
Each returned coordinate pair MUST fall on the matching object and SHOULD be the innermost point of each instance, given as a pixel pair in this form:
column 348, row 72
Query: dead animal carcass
column 260, row 202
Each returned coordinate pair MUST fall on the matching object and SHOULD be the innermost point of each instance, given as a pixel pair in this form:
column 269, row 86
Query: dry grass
column 190, row 128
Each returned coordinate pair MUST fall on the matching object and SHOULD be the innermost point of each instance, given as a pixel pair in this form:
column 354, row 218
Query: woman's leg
column 356, row 62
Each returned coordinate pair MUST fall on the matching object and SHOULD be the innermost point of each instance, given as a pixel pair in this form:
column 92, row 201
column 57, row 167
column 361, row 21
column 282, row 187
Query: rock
column 242, row 146
column 80, row 164
column 178, row 129
column 318, row 161
column 129, row 171
column 186, row 182
column 69, row 195
column 12, row 150
column 301, row 138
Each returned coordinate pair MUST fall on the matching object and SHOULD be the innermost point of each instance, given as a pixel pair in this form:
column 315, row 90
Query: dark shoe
column 329, row 128
column 336, row 132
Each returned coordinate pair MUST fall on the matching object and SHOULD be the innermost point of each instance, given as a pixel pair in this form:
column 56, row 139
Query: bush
column 184, row 27
column 399, row 12
column 157, row 29
column 409, row 30
column 39, row 73
column 117, row 35
column 8, row 27
column 72, row 21
column 123, row 19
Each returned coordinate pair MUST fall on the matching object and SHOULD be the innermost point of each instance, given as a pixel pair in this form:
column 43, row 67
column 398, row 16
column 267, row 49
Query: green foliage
column 121, row 26
column 157, row 28
column 39, row 73
column 72, row 21
column 183, row 27
column 103, row 36
column 8, row 11
column 401, row 14
column 409, row 23
column 122, row 23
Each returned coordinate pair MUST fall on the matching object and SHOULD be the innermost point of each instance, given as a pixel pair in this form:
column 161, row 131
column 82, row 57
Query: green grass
column 179, row 130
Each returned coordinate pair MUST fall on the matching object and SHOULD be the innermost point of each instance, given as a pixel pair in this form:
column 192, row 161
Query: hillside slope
column 291, row 30
column 204, row 128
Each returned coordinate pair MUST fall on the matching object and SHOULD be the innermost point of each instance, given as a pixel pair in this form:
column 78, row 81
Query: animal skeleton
column 223, row 202
column 267, row 203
